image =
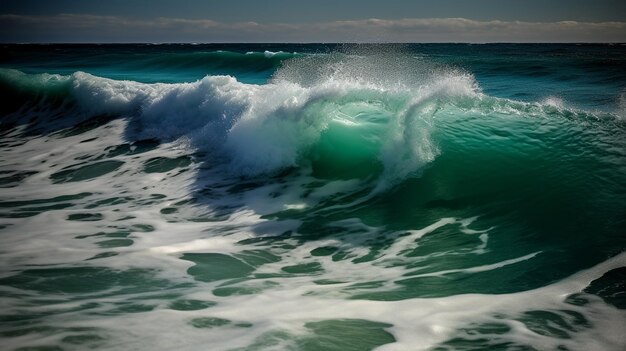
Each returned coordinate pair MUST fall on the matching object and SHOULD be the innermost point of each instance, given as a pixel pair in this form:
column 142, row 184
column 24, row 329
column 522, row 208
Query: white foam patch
column 418, row 324
column 553, row 101
column 407, row 242
column 478, row 269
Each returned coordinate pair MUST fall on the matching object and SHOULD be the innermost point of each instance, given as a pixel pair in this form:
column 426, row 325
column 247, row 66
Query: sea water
column 313, row 197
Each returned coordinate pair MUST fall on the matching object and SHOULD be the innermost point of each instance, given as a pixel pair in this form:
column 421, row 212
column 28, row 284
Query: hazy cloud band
column 92, row 28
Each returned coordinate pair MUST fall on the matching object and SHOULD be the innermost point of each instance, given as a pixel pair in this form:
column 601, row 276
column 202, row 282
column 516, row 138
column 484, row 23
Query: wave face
column 314, row 197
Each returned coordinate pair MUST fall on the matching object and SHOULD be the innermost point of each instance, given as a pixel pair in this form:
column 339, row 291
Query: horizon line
column 313, row 42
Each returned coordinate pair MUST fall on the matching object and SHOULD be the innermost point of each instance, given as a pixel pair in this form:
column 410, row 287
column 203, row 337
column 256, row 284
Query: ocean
column 313, row 197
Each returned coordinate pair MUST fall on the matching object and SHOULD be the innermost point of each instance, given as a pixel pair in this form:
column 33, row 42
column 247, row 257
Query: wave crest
column 329, row 112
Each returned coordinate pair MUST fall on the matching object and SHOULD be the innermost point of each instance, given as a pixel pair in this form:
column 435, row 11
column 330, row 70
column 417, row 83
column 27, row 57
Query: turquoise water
column 313, row 197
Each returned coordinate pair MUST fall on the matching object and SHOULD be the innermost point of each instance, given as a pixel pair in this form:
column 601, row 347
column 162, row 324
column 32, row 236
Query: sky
column 215, row 21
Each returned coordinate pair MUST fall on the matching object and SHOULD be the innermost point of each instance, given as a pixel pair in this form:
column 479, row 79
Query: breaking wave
column 334, row 114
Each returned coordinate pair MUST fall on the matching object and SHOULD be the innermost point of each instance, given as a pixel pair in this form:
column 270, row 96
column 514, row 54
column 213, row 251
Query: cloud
column 92, row 28
column 461, row 29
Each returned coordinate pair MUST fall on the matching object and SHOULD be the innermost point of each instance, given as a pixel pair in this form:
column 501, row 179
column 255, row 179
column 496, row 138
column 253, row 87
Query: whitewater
column 313, row 197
